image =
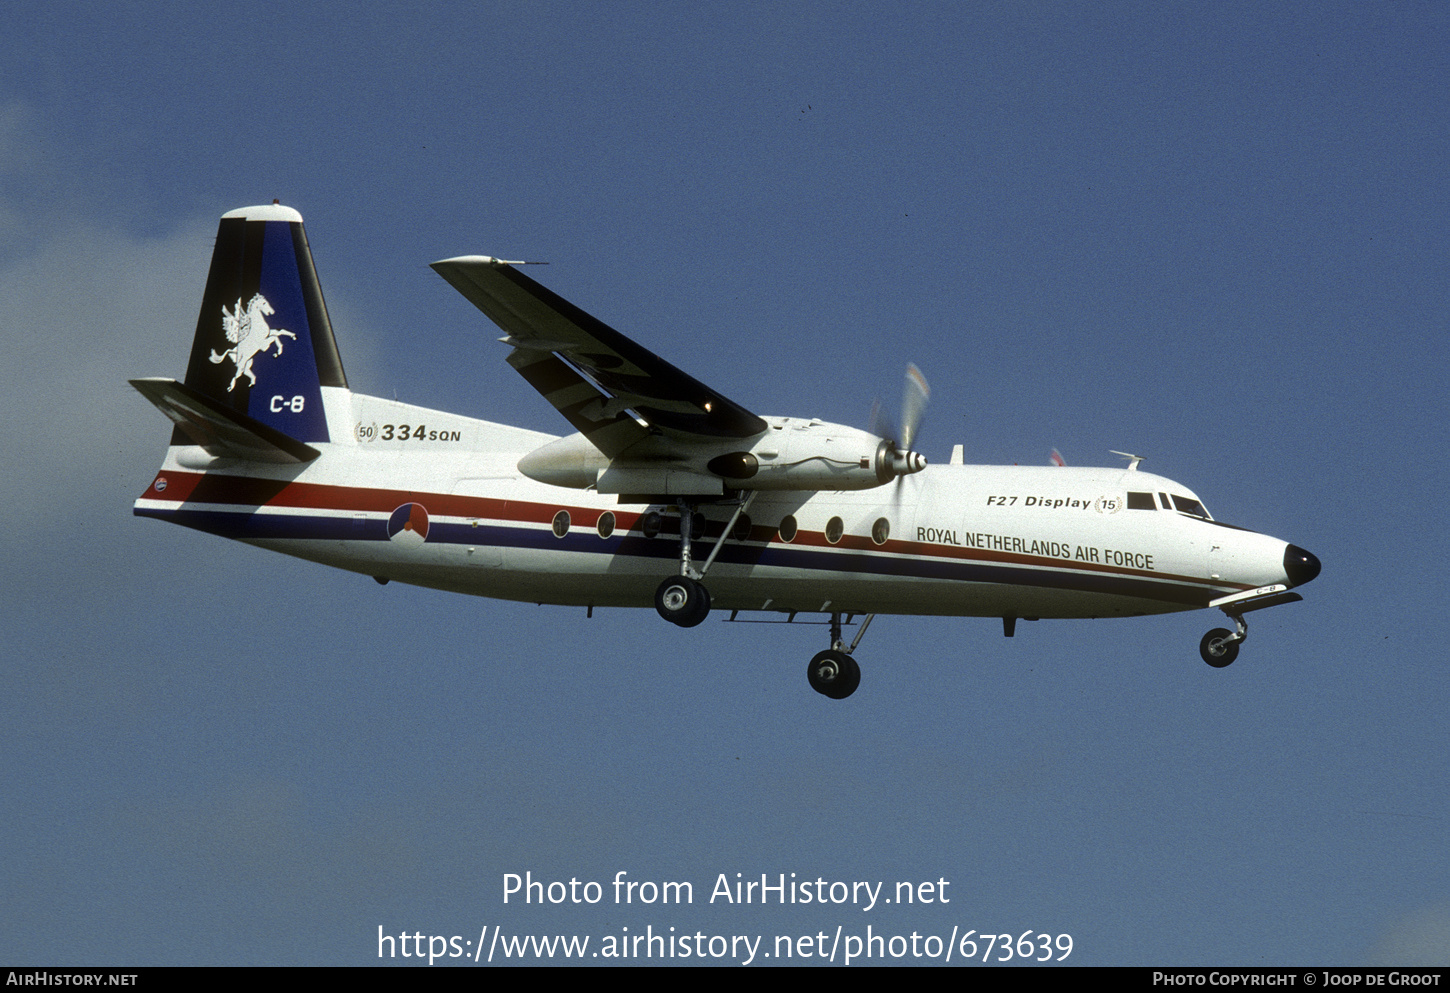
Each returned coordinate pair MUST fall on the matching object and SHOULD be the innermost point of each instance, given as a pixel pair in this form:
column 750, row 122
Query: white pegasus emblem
column 249, row 334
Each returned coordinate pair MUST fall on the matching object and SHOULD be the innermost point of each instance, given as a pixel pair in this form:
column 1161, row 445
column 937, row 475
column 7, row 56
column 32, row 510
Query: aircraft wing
column 554, row 341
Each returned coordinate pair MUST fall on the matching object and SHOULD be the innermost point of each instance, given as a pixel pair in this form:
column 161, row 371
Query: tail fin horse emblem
column 250, row 335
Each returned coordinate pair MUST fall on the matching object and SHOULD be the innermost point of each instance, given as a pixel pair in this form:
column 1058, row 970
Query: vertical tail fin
column 264, row 346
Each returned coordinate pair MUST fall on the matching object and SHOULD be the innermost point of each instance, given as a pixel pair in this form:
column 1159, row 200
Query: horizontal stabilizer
column 222, row 431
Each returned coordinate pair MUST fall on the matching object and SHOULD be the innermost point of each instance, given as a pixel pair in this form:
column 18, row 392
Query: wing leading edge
column 554, row 342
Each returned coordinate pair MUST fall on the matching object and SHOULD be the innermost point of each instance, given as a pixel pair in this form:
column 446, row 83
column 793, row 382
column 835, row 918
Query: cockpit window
column 1141, row 501
column 1186, row 505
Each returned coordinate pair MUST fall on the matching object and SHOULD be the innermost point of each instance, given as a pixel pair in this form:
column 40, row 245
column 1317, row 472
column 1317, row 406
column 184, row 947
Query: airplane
column 663, row 483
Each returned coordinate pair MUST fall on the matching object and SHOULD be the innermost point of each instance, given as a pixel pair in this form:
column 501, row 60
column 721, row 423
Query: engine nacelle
column 793, row 454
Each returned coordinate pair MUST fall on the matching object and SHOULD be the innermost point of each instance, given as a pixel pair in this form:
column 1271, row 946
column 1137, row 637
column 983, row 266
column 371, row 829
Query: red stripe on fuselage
column 211, row 488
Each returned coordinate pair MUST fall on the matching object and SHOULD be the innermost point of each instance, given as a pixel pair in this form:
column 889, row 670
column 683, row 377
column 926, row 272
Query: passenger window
column 787, row 528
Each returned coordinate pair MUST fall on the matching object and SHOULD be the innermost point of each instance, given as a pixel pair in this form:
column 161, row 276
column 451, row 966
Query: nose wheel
column 1219, row 648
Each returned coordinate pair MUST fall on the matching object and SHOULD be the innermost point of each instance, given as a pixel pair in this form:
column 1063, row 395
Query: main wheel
column 834, row 674
column 680, row 600
column 1216, row 651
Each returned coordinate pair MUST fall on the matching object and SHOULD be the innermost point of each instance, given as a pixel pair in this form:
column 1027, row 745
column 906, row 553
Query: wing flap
column 580, row 401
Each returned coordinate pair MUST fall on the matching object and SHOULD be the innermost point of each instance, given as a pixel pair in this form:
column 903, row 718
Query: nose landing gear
column 1220, row 646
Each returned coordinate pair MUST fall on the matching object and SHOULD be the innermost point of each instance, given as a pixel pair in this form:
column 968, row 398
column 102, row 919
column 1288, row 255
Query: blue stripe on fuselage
column 252, row 526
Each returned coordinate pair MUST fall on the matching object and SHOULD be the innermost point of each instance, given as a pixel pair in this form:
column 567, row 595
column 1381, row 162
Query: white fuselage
column 437, row 500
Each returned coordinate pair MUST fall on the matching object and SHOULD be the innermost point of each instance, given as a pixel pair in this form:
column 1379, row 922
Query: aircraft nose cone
column 1300, row 566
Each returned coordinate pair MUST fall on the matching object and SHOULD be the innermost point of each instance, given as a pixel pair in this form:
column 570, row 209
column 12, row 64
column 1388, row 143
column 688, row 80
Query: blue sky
column 1212, row 236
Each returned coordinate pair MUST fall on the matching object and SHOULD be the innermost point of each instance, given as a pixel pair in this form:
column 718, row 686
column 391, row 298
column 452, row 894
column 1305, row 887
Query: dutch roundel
column 409, row 524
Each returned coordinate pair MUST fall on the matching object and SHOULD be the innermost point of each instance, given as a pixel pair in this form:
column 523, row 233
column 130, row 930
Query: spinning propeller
column 895, row 457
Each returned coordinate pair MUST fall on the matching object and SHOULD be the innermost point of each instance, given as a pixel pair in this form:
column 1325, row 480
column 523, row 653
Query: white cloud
column 1418, row 939
column 88, row 309
column 19, row 159
column 84, row 305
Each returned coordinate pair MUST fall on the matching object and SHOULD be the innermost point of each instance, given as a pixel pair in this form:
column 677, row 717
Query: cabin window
column 605, row 526
column 741, row 530
column 881, row 530
column 1190, row 506
column 787, row 528
column 1141, row 501
column 835, row 527
column 561, row 524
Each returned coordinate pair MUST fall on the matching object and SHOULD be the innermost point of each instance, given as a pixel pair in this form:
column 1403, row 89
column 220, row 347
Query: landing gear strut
column 834, row 673
column 1221, row 646
column 683, row 599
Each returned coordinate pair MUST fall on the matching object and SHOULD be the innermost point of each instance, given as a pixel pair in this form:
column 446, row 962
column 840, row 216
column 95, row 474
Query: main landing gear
column 683, row 599
column 834, row 673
